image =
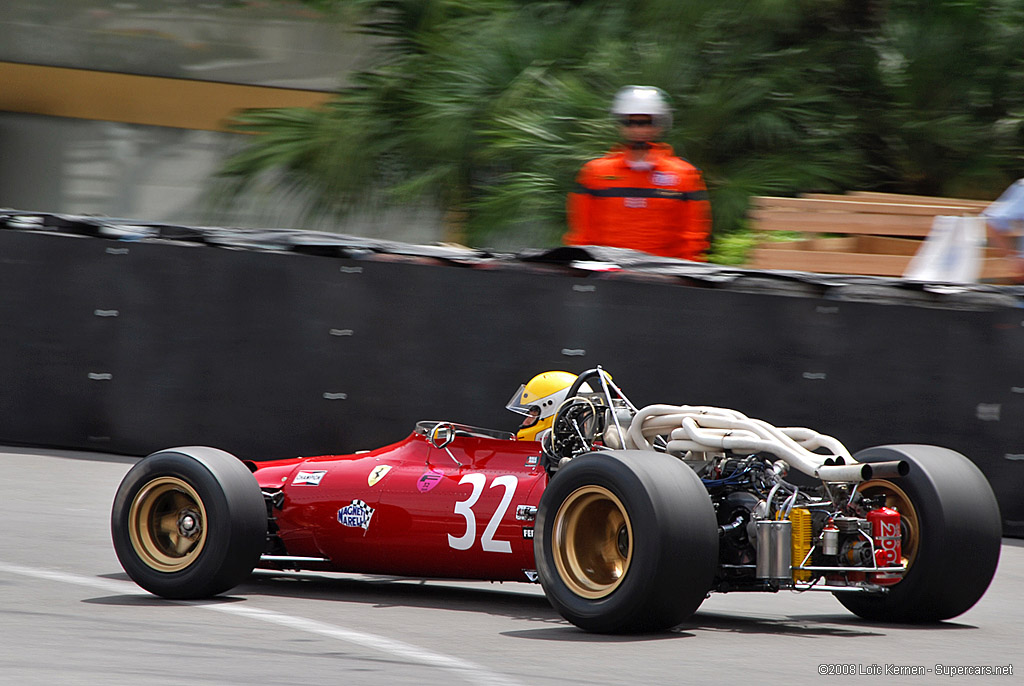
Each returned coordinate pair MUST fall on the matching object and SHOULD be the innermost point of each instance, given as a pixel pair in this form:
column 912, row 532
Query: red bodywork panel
column 409, row 509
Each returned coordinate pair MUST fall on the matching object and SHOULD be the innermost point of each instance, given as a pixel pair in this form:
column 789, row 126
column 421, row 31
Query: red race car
column 628, row 517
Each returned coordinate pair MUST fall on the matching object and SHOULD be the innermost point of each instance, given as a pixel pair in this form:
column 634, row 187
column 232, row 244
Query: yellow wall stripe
column 132, row 99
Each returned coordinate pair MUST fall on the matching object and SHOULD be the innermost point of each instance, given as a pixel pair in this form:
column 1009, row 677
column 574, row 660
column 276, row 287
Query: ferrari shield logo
column 378, row 473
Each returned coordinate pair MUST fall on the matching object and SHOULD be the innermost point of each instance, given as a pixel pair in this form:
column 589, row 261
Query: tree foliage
column 487, row 108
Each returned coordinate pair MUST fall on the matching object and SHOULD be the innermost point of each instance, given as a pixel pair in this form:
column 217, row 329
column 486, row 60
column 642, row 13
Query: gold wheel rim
column 592, row 542
column 167, row 524
column 910, row 524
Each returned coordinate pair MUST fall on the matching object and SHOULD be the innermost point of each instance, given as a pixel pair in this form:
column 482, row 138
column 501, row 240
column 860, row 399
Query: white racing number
column 465, row 509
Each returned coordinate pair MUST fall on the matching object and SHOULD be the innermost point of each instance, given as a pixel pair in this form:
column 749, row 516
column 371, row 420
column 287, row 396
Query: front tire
column 188, row 522
column 952, row 531
column 626, row 541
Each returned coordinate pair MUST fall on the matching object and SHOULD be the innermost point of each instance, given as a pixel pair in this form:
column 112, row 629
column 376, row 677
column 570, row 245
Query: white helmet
column 643, row 100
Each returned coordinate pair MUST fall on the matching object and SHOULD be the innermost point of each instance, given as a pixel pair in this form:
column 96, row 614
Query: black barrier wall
column 135, row 345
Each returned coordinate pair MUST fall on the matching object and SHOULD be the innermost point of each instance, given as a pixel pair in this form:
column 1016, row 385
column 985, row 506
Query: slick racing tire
column 189, row 522
column 626, row 542
column 951, row 533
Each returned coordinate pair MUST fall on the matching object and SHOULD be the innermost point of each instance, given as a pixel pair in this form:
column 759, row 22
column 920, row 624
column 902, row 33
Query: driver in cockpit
column 538, row 400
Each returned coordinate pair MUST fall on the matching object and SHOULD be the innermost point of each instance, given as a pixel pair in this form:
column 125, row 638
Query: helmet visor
column 516, row 403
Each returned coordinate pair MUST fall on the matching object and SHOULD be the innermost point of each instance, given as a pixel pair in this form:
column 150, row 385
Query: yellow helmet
column 538, row 400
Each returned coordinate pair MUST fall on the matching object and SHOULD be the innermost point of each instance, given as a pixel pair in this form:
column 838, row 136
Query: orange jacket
column 664, row 211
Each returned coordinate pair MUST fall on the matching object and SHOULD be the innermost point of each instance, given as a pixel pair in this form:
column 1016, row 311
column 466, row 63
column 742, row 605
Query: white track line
column 468, row 671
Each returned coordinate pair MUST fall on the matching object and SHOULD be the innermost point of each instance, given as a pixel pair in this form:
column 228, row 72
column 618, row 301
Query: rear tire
column 189, row 522
column 626, row 541
column 953, row 531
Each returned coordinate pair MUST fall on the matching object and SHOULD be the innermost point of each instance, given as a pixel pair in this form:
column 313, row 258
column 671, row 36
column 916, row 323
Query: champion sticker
column 310, row 478
column 532, row 460
column 378, row 473
column 664, row 179
column 428, row 480
column 356, row 515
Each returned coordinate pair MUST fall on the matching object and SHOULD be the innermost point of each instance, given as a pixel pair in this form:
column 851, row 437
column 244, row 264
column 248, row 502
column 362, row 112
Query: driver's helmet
column 643, row 100
column 539, row 399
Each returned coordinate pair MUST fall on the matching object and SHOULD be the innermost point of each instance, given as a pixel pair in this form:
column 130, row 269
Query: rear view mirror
column 442, row 435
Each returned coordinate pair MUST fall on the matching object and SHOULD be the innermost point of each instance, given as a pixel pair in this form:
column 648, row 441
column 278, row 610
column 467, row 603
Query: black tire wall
column 135, row 346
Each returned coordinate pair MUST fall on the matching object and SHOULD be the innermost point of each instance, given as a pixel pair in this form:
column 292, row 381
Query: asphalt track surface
column 69, row 615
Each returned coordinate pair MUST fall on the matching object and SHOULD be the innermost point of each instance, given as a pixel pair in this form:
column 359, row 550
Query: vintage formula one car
column 627, row 517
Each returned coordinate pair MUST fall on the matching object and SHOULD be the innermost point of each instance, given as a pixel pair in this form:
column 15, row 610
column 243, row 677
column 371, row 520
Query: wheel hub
column 188, row 523
column 623, row 541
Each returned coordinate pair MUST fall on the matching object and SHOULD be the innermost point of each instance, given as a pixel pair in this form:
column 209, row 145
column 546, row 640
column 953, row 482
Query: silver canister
column 774, row 549
column 830, row 540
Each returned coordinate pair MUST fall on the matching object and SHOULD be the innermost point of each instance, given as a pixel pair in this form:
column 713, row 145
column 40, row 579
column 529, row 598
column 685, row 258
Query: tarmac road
column 68, row 615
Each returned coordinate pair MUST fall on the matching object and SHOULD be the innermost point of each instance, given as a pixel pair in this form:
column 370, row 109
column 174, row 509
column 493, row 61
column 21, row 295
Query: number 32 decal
column 465, row 509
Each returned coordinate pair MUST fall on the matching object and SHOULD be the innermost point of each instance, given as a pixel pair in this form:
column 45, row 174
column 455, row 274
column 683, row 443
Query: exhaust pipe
column 855, row 473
